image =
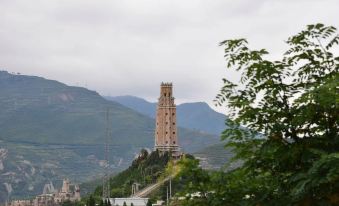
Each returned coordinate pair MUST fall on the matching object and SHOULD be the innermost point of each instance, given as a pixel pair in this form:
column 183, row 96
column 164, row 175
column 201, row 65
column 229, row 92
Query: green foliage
column 293, row 104
column 149, row 203
column 145, row 170
column 103, row 203
column 69, row 203
column 197, row 182
column 196, row 178
column 90, row 201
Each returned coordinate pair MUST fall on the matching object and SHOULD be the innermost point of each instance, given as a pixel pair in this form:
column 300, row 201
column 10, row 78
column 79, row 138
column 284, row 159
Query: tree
column 90, row 201
column 197, row 182
column 108, row 202
column 67, row 203
column 149, row 203
column 293, row 104
column 284, row 125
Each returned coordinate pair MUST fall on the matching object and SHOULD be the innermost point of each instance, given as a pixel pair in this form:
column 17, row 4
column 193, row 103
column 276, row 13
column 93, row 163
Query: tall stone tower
column 166, row 138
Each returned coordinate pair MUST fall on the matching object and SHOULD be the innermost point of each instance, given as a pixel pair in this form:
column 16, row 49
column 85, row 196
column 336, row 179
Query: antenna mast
column 105, row 183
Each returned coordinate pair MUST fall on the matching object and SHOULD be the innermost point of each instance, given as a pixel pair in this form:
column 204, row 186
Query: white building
column 137, row 201
column 159, row 203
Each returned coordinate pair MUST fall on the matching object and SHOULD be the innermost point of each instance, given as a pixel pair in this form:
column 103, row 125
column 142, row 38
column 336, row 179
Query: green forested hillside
column 144, row 170
column 37, row 110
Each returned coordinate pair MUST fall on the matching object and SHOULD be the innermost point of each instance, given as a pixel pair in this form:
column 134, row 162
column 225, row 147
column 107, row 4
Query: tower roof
column 166, row 84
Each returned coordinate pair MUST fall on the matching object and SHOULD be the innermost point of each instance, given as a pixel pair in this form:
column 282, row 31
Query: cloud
column 129, row 47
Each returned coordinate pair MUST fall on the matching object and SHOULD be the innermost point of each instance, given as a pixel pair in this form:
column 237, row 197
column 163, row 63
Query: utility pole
column 105, row 184
column 170, row 187
column 167, row 195
column 144, row 173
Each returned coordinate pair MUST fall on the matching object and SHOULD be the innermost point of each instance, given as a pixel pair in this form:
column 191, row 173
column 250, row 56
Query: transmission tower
column 105, row 183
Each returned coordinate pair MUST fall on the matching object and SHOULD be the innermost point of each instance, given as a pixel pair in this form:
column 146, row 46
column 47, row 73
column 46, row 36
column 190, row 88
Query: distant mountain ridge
column 49, row 131
column 197, row 115
column 136, row 103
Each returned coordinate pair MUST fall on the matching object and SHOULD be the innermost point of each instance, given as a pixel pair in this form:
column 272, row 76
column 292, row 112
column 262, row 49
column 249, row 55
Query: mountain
column 217, row 157
column 214, row 156
column 136, row 103
column 197, row 116
column 49, row 131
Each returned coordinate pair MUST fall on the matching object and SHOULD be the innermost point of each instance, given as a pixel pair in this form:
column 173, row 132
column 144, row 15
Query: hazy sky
column 120, row 47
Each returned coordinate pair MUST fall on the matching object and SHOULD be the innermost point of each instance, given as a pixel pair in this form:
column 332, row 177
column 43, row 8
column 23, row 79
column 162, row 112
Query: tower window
column 166, row 122
column 173, row 132
column 166, row 142
column 166, row 113
column 165, row 94
column 173, row 114
column 166, row 132
column 173, row 142
column 173, row 123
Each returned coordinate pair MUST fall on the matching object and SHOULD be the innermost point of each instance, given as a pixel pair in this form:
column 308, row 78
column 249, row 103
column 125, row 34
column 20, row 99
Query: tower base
column 173, row 149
